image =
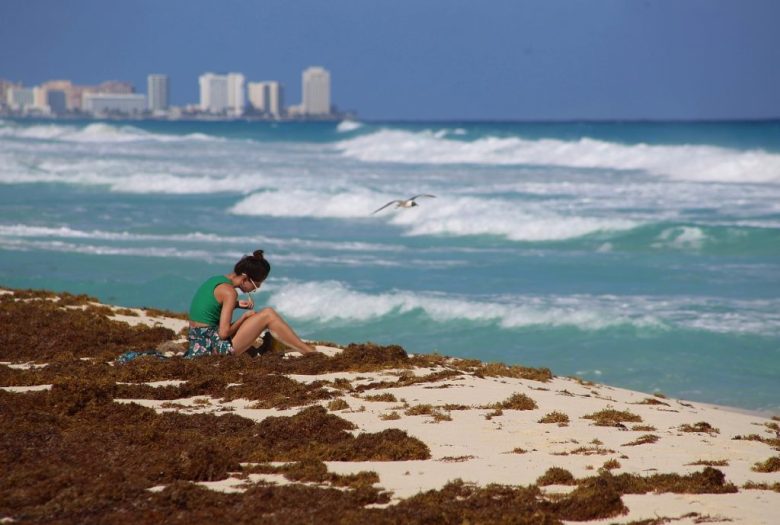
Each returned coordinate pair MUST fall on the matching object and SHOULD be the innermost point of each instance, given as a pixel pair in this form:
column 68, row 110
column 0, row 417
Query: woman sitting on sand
column 212, row 331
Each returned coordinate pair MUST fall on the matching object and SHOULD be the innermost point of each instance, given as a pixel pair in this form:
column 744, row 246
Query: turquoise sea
column 642, row 255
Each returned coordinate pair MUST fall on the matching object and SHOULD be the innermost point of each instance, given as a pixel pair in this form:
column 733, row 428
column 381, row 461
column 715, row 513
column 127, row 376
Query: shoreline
column 399, row 429
column 140, row 317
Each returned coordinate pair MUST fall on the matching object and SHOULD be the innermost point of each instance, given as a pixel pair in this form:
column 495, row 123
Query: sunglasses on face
column 256, row 286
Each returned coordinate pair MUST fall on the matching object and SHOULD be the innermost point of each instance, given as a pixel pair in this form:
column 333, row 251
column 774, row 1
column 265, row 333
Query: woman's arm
column 227, row 296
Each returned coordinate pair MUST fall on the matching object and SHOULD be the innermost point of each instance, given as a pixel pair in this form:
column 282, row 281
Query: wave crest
column 330, row 301
column 447, row 215
column 345, row 126
column 685, row 162
column 97, row 132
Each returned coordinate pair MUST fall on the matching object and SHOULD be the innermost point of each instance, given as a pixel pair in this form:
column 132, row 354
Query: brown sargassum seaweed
column 75, row 455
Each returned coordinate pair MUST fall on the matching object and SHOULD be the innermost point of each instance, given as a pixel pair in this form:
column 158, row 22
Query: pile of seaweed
column 74, row 454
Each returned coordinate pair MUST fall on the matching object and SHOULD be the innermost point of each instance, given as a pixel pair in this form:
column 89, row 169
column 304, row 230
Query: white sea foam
column 346, row 126
column 446, row 215
column 131, row 176
column 95, row 133
column 682, row 238
column 140, row 183
column 297, row 257
column 685, row 162
column 182, row 185
column 333, row 302
column 140, row 251
column 515, row 221
column 303, row 203
column 65, row 232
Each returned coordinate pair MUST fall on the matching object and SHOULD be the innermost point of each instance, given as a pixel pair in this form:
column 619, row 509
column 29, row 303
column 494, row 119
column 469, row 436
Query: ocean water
column 643, row 255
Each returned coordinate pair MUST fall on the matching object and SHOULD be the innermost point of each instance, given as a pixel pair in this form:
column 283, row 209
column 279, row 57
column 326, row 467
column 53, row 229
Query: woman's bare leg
column 267, row 319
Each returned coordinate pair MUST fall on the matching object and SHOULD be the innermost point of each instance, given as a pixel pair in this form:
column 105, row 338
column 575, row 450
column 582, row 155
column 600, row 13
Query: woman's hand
column 246, row 304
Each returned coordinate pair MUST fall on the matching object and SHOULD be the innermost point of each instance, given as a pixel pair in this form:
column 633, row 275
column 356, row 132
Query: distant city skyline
column 223, row 96
column 504, row 59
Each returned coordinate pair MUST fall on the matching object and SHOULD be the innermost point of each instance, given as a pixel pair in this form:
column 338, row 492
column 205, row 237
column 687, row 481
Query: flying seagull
column 408, row 203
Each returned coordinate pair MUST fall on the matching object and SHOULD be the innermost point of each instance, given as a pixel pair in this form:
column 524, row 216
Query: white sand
column 478, row 450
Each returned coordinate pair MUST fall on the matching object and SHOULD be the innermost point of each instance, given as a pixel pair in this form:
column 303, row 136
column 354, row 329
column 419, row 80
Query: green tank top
column 205, row 308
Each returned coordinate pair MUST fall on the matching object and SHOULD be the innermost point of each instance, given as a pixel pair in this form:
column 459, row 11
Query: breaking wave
column 345, row 126
column 333, row 302
column 683, row 162
column 94, row 133
column 330, row 301
column 456, row 216
column 22, row 231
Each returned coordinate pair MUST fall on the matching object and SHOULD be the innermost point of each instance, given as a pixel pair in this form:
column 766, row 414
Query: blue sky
column 425, row 59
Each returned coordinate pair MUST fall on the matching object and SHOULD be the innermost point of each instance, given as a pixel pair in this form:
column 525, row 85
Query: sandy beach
column 578, row 451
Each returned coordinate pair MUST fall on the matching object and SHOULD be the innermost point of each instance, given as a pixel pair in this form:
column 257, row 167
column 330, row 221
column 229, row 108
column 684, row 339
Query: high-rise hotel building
column 158, row 92
column 316, row 91
column 236, row 97
column 213, row 93
column 222, row 93
column 266, row 97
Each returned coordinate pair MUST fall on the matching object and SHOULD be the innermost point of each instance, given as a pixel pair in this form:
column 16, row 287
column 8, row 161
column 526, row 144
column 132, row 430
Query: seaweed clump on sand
column 480, row 369
column 367, row 357
column 184, row 502
column 72, row 453
column 710, row 463
column 315, row 434
column 268, row 390
column 770, row 465
column 516, row 401
column 610, row 417
column 386, row 397
column 456, row 503
column 428, row 410
column 590, row 501
column 752, row 485
column 315, row 471
column 45, row 329
column 647, row 439
column 701, row 426
column 338, row 404
column 555, row 417
column 772, row 442
column 652, row 401
column 459, row 502
column 157, row 312
column 707, row 481
column 407, row 378
column 556, row 476
column 276, row 391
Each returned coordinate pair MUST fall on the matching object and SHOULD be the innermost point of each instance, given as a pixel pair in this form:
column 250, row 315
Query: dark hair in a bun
column 254, row 266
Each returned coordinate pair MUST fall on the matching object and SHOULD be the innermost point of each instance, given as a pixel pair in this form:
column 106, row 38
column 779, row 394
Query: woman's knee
column 268, row 312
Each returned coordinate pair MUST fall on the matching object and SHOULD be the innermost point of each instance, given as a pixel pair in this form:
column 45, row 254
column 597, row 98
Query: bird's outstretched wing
column 385, row 206
column 423, row 195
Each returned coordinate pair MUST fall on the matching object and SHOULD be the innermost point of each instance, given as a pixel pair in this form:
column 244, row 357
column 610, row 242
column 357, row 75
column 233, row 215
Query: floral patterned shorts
column 206, row 341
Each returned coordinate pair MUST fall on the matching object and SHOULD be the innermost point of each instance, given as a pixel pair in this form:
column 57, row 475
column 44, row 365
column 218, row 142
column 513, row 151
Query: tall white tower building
column 235, row 94
column 157, row 92
column 213, row 93
column 316, row 91
column 275, row 99
column 266, row 97
column 222, row 93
